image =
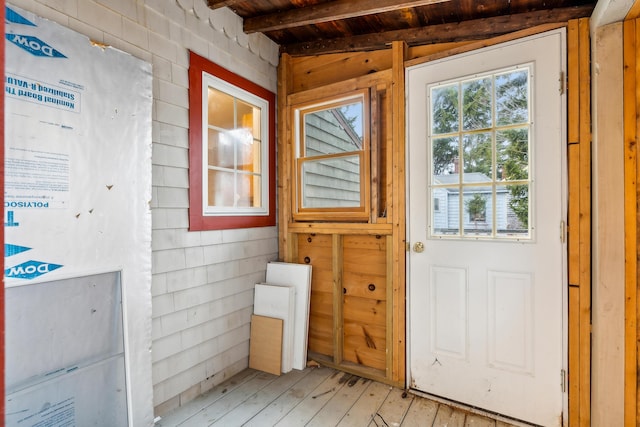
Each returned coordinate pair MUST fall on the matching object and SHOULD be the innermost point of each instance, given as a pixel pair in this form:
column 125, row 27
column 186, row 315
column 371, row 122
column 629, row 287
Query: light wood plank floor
column 315, row 397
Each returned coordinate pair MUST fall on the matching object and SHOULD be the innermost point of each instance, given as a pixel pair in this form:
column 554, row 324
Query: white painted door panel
column 486, row 315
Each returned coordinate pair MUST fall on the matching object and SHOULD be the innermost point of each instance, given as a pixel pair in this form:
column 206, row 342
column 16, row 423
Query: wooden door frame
column 294, row 77
column 631, row 105
column 579, row 221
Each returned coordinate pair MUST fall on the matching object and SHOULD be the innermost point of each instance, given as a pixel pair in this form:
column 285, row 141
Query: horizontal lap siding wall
column 202, row 281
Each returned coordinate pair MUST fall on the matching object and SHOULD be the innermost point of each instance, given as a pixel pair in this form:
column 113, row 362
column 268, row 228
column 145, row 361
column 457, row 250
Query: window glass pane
column 444, row 109
column 249, row 155
column 478, row 215
column 445, row 220
column 493, row 158
column 477, row 157
column 221, row 191
column 221, row 109
column 444, row 156
column 333, row 182
column 513, row 210
column 512, row 147
column 333, row 130
column 248, row 186
column 256, row 123
column 220, row 149
column 476, row 104
column 244, row 115
column 512, row 98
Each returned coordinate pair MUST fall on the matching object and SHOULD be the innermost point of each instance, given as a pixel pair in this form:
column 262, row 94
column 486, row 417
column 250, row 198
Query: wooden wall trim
column 285, row 77
column 585, row 220
column 399, row 53
column 344, row 86
column 470, row 46
column 607, row 366
column 579, row 220
column 631, row 76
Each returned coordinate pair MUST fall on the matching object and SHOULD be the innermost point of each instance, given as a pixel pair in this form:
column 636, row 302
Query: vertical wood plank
column 390, row 309
column 573, row 156
column 630, row 217
column 585, row 220
column 636, row 273
column 338, row 312
column 608, row 242
column 399, row 53
column 285, row 77
column 388, row 154
column 317, row 250
column 375, row 155
column 579, row 217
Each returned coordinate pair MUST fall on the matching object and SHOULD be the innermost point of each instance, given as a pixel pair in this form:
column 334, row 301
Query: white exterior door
column 487, row 204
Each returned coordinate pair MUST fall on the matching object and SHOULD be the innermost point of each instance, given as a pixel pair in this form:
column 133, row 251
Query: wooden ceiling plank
column 216, row 4
column 466, row 30
column 325, row 12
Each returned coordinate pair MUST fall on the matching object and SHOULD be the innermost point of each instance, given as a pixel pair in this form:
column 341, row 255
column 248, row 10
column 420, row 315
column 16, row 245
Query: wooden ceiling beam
column 324, row 12
column 460, row 31
column 216, row 4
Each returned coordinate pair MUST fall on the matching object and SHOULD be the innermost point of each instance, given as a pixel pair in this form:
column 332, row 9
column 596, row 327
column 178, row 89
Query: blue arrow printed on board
column 10, row 250
column 12, row 17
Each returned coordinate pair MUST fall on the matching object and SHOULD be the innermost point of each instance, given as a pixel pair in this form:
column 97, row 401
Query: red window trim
column 198, row 221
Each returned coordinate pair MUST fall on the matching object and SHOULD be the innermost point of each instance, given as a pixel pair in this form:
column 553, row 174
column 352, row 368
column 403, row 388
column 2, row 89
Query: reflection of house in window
column 446, row 219
column 331, row 182
column 436, row 204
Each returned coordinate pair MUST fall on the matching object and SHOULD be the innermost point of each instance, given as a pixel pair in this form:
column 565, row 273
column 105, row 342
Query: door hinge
column 563, row 83
column 563, row 380
column 563, row 231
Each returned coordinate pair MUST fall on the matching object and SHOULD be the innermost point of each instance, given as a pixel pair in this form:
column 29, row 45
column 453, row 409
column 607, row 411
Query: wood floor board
column 449, row 417
column 473, row 420
column 315, row 401
column 253, row 405
column 186, row 411
column 422, row 412
column 281, row 406
column 316, row 397
column 363, row 411
column 340, row 403
column 229, row 401
column 393, row 409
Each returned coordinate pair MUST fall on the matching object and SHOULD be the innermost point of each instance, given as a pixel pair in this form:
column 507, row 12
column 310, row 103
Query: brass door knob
column 418, row 247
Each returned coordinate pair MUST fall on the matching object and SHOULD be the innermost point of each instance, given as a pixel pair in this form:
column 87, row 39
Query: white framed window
column 480, row 134
column 232, row 149
column 235, row 156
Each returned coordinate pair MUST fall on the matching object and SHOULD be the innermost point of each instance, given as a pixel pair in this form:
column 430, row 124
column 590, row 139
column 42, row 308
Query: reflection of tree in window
column 480, row 128
column 476, row 206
